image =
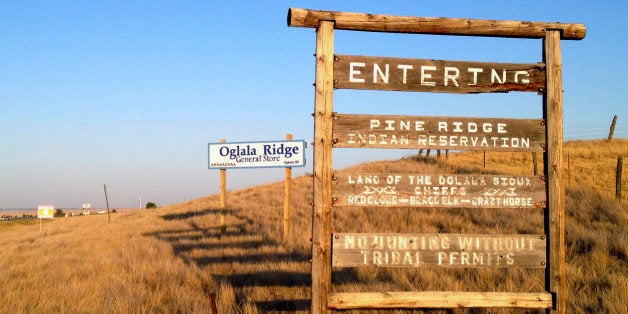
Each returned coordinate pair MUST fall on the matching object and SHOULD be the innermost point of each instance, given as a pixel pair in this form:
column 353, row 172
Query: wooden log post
column 287, row 200
column 431, row 25
column 223, row 199
column 555, row 279
column 620, row 163
column 323, row 140
column 612, row 130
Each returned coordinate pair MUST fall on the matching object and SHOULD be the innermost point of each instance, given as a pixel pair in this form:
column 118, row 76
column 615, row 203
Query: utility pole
column 107, row 201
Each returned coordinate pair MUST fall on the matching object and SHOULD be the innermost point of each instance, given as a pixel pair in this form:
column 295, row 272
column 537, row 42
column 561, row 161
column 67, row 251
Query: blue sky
column 129, row 93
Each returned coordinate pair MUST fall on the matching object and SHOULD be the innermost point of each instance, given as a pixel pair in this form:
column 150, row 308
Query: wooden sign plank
column 438, row 190
column 420, row 132
column 438, row 250
column 438, row 299
column 432, row 25
column 438, row 76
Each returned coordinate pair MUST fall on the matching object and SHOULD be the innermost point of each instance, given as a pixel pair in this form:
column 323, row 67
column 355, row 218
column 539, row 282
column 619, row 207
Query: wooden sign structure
column 383, row 73
column 285, row 154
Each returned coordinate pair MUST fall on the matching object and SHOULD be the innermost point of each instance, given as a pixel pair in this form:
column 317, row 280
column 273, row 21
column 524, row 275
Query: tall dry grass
column 85, row 264
column 170, row 259
column 590, row 163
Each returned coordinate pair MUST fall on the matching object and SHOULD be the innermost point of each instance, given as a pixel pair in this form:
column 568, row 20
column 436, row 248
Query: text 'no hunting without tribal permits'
column 438, row 250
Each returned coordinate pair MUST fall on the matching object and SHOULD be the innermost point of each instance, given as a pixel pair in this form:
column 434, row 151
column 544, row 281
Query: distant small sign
column 45, row 212
column 257, row 154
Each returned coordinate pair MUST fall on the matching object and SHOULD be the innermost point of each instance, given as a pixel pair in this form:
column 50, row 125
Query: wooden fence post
column 612, row 130
column 620, row 162
column 212, row 300
column 287, row 200
column 223, row 199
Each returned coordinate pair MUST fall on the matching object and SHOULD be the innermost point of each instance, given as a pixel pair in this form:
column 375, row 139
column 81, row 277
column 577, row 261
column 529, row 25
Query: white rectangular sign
column 257, row 154
column 45, row 212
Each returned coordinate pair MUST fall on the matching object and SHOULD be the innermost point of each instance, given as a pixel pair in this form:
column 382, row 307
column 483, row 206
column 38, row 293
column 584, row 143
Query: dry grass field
column 173, row 258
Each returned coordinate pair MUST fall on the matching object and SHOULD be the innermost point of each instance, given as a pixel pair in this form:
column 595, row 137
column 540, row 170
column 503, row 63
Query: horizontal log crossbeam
column 438, row 299
column 431, row 25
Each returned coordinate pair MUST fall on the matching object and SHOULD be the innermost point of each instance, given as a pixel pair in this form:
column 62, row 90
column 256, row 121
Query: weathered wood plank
column 438, row 76
column 455, row 133
column 438, row 299
column 438, row 250
column 321, row 215
column 555, row 278
column 432, row 25
column 438, row 190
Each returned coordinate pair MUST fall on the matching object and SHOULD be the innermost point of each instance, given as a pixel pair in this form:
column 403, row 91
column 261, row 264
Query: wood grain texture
column 438, row 250
column 428, row 132
column 438, row 190
column 439, row 299
column 321, row 216
column 555, row 278
column 432, row 25
column 437, row 76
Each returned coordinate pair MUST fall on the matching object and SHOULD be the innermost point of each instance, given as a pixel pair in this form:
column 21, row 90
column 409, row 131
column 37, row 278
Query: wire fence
column 595, row 131
column 604, row 174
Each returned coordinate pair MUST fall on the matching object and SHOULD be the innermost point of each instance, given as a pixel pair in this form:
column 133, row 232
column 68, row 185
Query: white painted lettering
column 353, row 71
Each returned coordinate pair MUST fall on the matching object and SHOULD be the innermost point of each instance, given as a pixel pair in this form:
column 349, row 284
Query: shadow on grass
column 267, row 279
column 240, row 244
column 253, row 258
column 192, row 214
column 284, row 305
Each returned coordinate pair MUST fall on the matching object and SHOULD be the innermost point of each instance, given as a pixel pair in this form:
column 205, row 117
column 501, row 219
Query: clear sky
column 129, row 93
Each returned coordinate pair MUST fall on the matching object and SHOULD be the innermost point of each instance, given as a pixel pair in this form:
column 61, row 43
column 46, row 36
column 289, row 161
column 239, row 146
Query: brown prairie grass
column 172, row 258
column 591, row 163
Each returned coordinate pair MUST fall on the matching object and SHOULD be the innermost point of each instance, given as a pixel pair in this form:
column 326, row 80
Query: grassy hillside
column 173, row 258
column 587, row 163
